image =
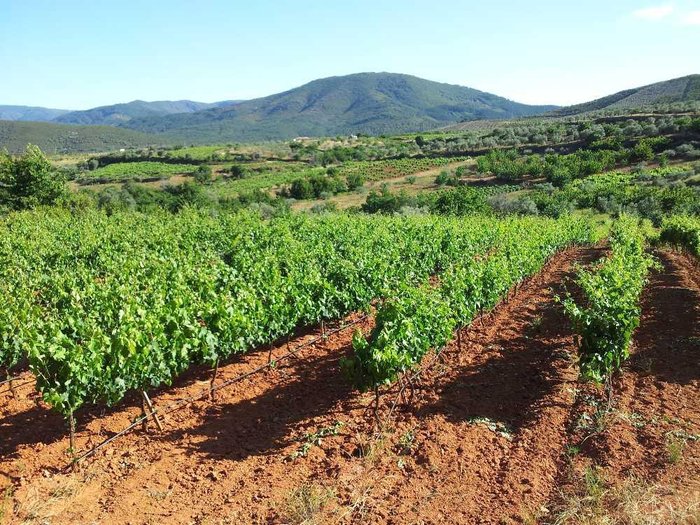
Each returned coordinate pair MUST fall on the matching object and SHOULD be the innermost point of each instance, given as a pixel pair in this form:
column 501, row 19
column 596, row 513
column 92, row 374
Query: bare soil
column 486, row 438
column 650, row 434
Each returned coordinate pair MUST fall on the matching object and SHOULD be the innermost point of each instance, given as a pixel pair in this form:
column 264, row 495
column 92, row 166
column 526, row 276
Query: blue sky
column 77, row 54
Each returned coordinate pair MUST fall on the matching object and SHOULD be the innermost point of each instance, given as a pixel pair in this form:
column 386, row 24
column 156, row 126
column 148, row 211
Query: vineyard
column 384, row 169
column 103, row 306
column 103, row 309
column 134, row 171
column 683, row 231
column 236, row 291
column 127, row 313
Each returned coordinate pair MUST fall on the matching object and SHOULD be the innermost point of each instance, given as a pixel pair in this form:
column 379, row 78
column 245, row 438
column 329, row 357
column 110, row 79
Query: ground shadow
column 668, row 339
column 34, row 425
column 38, row 424
column 535, row 351
column 507, row 388
column 267, row 422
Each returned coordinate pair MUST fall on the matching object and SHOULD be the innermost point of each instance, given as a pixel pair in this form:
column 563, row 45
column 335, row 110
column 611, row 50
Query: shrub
column 29, row 180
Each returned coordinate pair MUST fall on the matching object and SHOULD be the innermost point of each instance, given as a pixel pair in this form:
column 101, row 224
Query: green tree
column 203, row 174
column 354, row 181
column 29, row 180
column 237, row 172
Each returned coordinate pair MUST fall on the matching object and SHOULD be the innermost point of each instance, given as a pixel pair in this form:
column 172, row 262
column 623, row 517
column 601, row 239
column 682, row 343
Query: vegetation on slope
column 116, row 114
column 63, row 138
column 30, row 113
column 373, row 103
column 683, row 89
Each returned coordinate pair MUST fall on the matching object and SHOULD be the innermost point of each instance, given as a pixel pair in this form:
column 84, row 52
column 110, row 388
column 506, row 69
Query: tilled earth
column 485, row 436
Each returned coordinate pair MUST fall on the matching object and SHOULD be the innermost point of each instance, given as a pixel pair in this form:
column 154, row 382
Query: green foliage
column 460, row 201
column 315, row 186
column 29, row 180
column 237, row 171
column 102, row 305
column 643, row 151
column 445, row 178
column 609, row 313
column 203, row 174
column 136, row 171
column 63, row 138
column 683, row 231
column 456, row 201
column 386, row 202
column 508, row 165
column 355, row 181
column 415, row 319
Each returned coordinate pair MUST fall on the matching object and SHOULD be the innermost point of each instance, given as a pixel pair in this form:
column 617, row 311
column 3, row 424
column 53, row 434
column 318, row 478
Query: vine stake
column 71, row 424
column 147, row 403
column 212, row 390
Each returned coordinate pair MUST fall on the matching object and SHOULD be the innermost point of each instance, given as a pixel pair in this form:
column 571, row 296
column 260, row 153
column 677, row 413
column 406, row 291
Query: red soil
column 656, row 397
column 483, row 441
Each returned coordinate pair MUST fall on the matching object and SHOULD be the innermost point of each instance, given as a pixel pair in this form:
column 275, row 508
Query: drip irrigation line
column 20, row 385
column 9, row 380
column 176, row 405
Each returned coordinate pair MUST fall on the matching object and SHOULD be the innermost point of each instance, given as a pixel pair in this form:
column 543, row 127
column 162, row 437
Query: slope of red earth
column 640, row 452
column 484, row 439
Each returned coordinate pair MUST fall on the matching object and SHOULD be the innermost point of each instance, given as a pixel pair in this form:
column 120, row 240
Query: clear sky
column 77, row 54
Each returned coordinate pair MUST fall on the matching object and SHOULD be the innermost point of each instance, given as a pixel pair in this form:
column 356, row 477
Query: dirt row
column 486, row 439
column 640, row 458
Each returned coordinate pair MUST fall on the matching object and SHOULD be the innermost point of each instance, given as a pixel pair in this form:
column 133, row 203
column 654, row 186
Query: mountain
column 30, row 113
column 373, row 103
column 63, row 138
column 683, row 89
column 121, row 113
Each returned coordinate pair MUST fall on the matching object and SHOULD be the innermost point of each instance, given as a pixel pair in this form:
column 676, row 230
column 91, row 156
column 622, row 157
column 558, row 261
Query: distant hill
column 30, row 113
column 684, row 89
column 117, row 114
column 373, row 103
column 62, row 138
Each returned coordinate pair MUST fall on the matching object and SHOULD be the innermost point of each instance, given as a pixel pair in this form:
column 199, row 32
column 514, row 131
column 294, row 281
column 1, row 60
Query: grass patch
column 633, row 502
column 303, row 505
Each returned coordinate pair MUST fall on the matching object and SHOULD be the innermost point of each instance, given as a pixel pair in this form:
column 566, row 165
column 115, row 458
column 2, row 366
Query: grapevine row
column 609, row 311
column 682, row 230
column 415, row 319
column 100, row 306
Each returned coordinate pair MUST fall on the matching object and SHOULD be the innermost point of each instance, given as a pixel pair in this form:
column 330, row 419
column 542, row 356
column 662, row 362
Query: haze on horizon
column 78, row 54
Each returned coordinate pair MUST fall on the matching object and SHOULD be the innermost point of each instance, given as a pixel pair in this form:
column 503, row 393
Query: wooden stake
column 323, row 329
column 144, row 411
column 376, row 405
column 148, row 403
column 71, row 423
column 213, row 378
column 459, row 340
column 289, row 349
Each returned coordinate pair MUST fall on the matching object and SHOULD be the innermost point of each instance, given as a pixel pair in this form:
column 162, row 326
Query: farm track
column 483, row 443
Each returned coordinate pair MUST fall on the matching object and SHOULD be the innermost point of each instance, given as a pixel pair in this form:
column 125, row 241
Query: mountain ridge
column 30, row 113
column 116, row 114
column 681, row 89
column 373, row 103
